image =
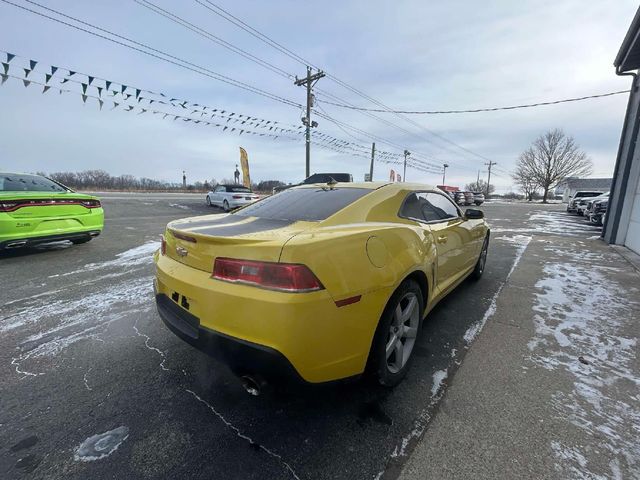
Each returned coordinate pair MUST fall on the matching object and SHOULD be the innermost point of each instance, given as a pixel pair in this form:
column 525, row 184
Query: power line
column 269, row 41
column 477, row 110
column 167, row 57
column 208, row 35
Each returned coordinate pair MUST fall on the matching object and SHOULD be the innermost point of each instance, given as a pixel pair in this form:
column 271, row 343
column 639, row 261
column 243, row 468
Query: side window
column 437, row 207
column 412, row 207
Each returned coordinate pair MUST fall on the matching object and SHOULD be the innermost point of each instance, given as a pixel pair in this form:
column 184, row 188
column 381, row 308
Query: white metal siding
column 633, row 233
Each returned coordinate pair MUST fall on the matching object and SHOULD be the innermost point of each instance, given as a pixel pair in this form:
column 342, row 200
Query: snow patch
column 580, row 329
column 140, row 255
column 101, row 446
column 438, row 379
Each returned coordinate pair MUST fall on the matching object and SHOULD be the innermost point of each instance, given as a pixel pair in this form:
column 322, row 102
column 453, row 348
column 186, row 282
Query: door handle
column 442, row 239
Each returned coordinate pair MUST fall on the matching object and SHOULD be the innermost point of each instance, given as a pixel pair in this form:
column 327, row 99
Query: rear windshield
column 587, row 194
column 10, row 182
column 310, row 204
column 238, row 189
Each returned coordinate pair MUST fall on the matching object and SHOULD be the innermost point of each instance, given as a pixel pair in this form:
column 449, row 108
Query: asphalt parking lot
column 84, row 353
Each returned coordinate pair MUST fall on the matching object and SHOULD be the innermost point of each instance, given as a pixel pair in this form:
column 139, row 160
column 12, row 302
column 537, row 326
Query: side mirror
column 473, row 214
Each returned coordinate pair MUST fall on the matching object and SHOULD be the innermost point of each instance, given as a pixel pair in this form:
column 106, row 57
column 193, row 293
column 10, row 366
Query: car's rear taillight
column 163, row 245
column 237, row 196
column 287, row 277
column 91, row 203
column 8, row 206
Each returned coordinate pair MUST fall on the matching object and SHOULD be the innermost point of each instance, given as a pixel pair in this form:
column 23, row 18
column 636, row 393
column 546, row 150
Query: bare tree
column 525, row 179
column 479, row 186
column 551, row 158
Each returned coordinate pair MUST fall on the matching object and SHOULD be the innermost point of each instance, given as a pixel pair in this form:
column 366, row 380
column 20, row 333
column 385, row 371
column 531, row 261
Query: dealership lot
column 84, row 353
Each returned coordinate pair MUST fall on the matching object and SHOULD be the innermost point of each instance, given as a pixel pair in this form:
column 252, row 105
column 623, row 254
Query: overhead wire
column 156, row 53
column 479, row 110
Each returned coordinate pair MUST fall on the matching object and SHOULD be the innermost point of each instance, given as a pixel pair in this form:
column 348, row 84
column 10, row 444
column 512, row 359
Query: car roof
column 399, row 186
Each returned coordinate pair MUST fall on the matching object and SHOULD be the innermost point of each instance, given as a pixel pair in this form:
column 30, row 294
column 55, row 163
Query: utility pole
column 373, row 154
column 444, row 172
column 478, row 181
column 489, row 178
column 309, row 81
column 404, row 172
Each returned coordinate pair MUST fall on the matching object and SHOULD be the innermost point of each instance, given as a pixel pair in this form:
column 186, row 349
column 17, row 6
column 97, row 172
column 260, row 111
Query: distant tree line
column 102, row 180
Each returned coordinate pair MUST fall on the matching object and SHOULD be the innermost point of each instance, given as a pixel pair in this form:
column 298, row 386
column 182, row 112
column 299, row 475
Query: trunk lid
column 39, row 205
column 197, row 241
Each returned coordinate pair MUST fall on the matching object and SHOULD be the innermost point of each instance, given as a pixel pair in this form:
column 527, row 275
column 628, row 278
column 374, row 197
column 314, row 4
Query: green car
column 35, row 209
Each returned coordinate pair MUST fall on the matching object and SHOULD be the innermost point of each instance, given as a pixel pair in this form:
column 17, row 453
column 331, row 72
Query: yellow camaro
column 318, row 282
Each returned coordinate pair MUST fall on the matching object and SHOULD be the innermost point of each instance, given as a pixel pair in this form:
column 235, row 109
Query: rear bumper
column 33, row 241
column 241, row 356
column 319, row 340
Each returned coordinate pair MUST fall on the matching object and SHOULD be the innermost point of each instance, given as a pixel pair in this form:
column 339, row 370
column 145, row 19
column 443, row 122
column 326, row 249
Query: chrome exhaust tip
column 252, row 385
column 17, row 244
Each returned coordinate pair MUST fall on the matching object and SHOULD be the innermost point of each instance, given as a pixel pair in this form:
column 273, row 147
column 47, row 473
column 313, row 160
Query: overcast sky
column 417, row 54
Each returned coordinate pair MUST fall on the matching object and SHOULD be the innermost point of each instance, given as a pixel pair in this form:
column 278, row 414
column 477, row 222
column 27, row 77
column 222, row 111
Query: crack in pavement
column 243, row 436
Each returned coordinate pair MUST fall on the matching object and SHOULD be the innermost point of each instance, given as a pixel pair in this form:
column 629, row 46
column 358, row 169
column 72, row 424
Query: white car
column 230, row 196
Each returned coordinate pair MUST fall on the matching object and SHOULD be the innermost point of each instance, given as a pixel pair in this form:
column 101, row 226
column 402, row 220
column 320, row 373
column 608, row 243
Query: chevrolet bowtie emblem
column 182, row 251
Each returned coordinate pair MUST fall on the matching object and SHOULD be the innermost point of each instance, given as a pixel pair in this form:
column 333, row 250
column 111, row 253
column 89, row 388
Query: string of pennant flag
column 143, row 101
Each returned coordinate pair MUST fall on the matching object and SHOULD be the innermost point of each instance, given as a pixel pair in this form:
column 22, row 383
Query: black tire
column 79, row 241
column 482, row 260
column 225, row 206
column 378, row 365
column 209, row 201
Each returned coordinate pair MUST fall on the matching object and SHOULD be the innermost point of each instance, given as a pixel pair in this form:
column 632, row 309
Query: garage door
column 633, row 233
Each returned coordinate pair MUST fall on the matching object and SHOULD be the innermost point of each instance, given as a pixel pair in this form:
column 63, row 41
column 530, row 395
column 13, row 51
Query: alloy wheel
column 402, row 332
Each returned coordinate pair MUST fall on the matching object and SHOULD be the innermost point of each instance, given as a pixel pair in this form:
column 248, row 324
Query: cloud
column 410, row 54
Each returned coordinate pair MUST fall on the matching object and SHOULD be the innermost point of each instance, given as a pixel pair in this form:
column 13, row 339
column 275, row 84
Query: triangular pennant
column 26, row 82
column 224, row 128
column 241, row 132
column 142, row 110
column 64, row 80
column 90, row 78
column 107, row 84
column 6, row 67
column 84, row 87
column 101, row 102
column 126, row 96
column 124, row 87
column 45, row 88
column 32, row 64
column 137, row 92
column 115, row 105
column 196, row 121
column 151, row 101
column 186, row 119
column 84, row 99
column 165, row 116
column 129, row 108
column 173, row 99
column 71, row 73
column 47, row 77
column 26, row 72
column 114, row 93
column 10, row 56
column 140, row 98
column 99, row 91
column 4, row 77
column 53, row 70
column 175, row 117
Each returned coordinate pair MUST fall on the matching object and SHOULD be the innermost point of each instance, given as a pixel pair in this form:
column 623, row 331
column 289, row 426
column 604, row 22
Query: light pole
column 444, row 172
column 404, row 173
